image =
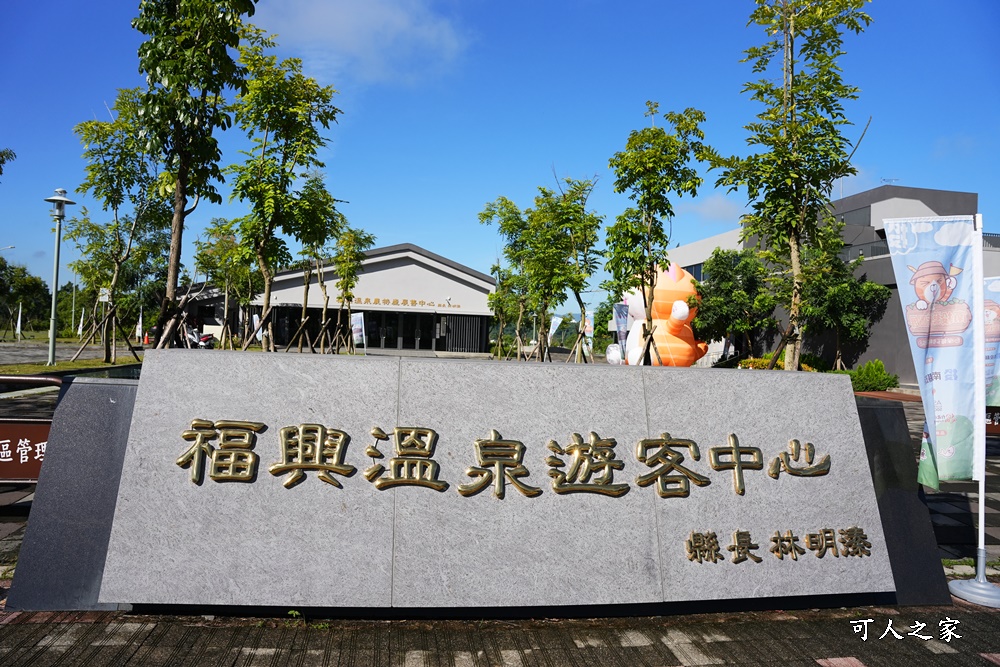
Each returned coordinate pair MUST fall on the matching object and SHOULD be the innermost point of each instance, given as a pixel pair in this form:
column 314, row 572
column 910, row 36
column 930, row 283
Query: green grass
column 41, row 369
column 971, row 562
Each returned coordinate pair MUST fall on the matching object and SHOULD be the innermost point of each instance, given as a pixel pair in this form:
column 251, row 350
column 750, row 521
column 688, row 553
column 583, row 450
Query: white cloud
column 993, row 286
column 370, row 41
column 921, row 227
column 713, row 208
column 954, row 234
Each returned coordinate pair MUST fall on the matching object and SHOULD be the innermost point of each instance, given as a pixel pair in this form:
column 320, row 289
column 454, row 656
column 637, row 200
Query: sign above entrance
column 402, row 303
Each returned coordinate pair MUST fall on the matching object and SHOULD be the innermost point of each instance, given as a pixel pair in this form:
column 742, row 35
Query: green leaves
column 6, row 155
column 798, row 134
column 736, row 298
column 347, row 260
column 189, row 62
column 550, row 249
column 654, row 168
column 281, row 111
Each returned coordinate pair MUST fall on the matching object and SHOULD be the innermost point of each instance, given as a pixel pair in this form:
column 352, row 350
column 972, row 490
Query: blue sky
column 449, row 104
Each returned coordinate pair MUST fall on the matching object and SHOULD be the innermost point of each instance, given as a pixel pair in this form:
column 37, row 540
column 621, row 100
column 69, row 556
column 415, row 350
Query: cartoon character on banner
column 935, row 319
column 672, row 318
column 992, row 330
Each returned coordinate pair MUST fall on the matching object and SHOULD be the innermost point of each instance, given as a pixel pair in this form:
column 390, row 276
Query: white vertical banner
column 938, row 264
column 991, row 314
column 17, row 332
column 553, row 326
column 79, row 329
column 138, row 327
column 358, row 329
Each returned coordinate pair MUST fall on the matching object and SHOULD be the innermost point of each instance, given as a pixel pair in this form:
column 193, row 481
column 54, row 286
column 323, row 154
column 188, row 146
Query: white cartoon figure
column 933, row 283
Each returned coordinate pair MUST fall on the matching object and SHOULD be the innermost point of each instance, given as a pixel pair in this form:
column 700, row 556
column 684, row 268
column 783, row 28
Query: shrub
column 761, row 363
column 872, row 377
column 815, row 361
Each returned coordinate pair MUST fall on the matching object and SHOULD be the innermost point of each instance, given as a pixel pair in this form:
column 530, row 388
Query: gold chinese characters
column 704, row 547
column 581, row 466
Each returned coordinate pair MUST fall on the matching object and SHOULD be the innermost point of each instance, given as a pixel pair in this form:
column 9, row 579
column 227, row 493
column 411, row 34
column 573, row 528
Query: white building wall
column 698, row 251
column 898, row 208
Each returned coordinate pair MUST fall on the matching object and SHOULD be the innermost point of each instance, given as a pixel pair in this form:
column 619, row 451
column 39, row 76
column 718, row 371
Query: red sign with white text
column 22, row 450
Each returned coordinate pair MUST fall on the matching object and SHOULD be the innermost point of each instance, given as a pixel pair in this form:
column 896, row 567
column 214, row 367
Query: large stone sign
column 298, row 480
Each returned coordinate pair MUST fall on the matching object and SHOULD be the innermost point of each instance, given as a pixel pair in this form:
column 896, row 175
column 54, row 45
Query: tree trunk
column 647, row 296
column 307, row 276
column 107, row 339
column 581, row 336
column 336, row 336
column 167, row 306
column 267, row 344
column 350, row 328
column 543, row 333
column 793, row 347
column 518, row 340
column 227, row 330
column 839, row 364
column 324, row 334
column 500, row 327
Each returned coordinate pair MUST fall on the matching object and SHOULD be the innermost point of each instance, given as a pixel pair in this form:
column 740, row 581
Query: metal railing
column 881, row 248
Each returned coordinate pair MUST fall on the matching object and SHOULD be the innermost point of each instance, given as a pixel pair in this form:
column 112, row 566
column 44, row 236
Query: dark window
column 694, row 270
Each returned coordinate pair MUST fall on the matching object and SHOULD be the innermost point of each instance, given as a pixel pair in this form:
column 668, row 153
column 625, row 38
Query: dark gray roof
column 403, row 247
column 942, row 202
column 376, row 253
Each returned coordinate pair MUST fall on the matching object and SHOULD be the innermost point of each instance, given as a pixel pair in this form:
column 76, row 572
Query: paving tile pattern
column 954, row 508
column 750, row 638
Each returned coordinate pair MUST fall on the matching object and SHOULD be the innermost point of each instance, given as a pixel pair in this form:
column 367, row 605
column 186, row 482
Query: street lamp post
column 59, row 202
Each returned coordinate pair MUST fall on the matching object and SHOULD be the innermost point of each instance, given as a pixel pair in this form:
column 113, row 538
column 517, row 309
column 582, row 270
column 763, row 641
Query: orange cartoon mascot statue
column 672, row 318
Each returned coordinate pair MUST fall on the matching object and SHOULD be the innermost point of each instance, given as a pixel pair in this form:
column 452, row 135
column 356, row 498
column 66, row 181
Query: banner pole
column 979, row 590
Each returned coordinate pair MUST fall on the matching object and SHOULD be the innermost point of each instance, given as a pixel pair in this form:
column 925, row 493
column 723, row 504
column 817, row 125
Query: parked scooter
column 199, row 340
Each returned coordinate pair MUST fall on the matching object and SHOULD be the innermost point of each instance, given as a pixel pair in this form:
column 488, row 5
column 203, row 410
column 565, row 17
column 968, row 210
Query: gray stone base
column 176, row 542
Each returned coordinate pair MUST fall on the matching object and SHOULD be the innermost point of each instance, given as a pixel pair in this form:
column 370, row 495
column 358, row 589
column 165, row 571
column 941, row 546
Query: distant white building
column 411, row 299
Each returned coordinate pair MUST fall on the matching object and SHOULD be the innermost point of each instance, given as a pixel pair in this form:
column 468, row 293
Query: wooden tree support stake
column 263, row 320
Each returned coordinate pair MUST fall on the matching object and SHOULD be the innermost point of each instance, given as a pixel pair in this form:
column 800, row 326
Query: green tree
column 19, row 288
column 604, row 314
column 65, row 314
column 351, row 249
column 513, row 291
column 735, row 299
column 540, row 250
column 189, row 62
column 582, row 228
column 654, row 167
column 507, row 305
column 123, row 176
column 219, row 258
column 281, row 111
column 799, row 135
column 319, row 224
column 847, row 305
column 6, row 155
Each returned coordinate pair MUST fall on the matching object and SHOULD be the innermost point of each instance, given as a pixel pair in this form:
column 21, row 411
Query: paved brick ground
column 825, row 637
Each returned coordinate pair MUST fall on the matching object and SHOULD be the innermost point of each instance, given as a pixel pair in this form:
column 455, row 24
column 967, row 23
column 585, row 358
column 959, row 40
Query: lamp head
column 59, row 202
